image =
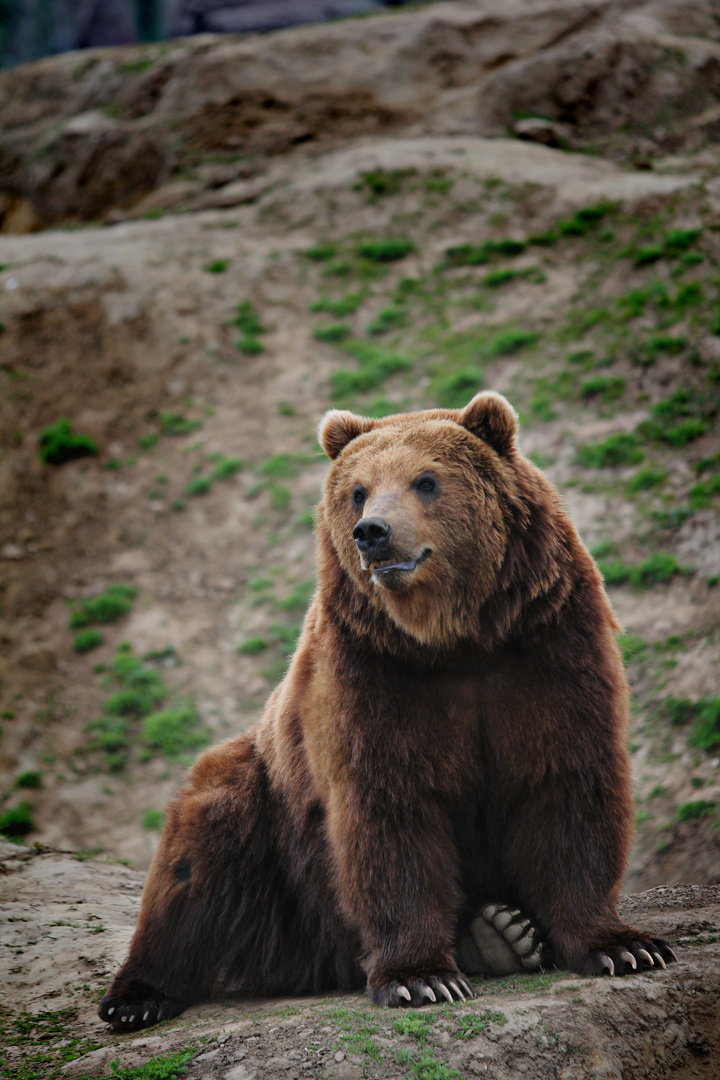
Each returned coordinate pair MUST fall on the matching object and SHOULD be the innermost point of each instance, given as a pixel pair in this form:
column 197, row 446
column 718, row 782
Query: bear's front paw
column 135, row 1012
column 414, row 992
column 623, row 959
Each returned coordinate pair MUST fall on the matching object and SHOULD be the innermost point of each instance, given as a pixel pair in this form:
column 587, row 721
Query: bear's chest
column 400, row 728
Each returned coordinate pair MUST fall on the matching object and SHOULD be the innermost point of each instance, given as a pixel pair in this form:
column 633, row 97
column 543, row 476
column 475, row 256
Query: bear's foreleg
column 567, row 848
column 397, row 884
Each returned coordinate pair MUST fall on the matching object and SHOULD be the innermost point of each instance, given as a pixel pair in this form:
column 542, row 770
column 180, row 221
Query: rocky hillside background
column 206, row 243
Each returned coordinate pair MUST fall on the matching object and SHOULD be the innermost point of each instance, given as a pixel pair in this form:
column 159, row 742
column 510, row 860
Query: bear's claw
column 417, row 992
column 634, row 956
column 134, row 1015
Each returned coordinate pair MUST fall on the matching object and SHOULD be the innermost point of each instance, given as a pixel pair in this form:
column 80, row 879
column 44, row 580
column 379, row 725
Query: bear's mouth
column 386, row 566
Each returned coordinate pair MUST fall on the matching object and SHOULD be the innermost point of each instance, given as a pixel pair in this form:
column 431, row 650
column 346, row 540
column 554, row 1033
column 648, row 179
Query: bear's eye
column 426, row 485
column 358, row 496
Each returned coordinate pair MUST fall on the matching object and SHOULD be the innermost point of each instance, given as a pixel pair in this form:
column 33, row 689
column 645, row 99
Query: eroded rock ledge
column 67, row 924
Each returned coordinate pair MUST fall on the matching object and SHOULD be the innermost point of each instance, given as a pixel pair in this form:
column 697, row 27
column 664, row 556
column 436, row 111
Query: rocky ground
column 67, row 924
column 337, row 221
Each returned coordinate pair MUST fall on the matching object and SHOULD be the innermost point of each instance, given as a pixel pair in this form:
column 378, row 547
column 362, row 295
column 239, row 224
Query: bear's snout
column 372, row 536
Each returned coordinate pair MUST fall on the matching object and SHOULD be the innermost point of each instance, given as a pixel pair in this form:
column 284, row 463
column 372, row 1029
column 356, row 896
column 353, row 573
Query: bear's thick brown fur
column 451, row 731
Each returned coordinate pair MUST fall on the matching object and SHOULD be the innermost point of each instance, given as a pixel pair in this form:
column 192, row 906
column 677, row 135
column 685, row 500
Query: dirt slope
column 198, row 335
column 82, row 135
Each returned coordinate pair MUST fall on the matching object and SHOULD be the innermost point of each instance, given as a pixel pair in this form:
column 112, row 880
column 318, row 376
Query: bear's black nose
column 372, row 535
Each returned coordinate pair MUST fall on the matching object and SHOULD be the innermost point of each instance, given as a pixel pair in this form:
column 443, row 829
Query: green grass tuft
column 17, row 821
column 383, row 251
column 30, row 779
column 153, row 820
column 454, row 389
column 375, row 365
column 346, row 305
column 655, row 570
column 87, row 640
column 107, row 607
column 616, row 450
column 253, row 645
column 694, row 811
column 158, row 1067
column 59, row 443
column 174, row 732
column 607, row 387
column 333, row 332
column 509, row 342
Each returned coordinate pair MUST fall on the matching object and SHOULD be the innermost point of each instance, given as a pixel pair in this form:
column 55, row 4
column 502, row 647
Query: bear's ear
column 338, row 428
column 492, row 418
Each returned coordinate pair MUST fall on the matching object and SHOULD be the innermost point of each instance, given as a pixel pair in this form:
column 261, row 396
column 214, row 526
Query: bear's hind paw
column 502, row 941
column 134, row 1014
column 416, row 992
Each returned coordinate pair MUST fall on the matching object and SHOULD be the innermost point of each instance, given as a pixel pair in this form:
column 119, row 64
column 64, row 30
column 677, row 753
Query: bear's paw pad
column 414, row 992
column 635, row 956
column 135, row 1013
column 502, row 941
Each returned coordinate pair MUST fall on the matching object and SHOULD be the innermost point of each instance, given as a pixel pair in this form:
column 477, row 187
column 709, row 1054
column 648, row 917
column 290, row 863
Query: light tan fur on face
column 431, row 602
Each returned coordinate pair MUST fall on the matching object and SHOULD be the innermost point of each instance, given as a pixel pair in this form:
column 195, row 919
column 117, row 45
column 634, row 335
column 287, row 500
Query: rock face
column 66, row 926
column 80, row 136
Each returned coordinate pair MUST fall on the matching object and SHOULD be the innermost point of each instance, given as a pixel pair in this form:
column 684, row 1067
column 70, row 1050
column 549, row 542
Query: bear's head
column 418, row 512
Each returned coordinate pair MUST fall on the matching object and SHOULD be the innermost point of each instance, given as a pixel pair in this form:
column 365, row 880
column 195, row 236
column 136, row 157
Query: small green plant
column 375, row 365
column 321, row 252
column 107, row 607
column 583, row 220
column 415, row 1024
column 173, row 732
column 59, row 443
column 509, row 342
column 478, row 254
column 648, row 254
column 30, row 779
column 496, row 278
column 620, row 449
column 701, row 494
column 646, row 479
column 332, row 333
column 225, row 467
column 346, row 305
column 656, row 569
column 251, row 327
column 17, row 821
column 379, row 182
column 217, row 266
column 253, row 645
column 675, row 420
column 158, row 1067
column 153, row 820
column 607, row 387
column 175, row 424
column 299, row 598
column 694, row 811
column 476, row 1023
column 679, row 240
column 633, row 304
column 454, row 389
column 199, row 485
column 87, row 640
column 389, row 318
column 383, row 251
column 679, row 711
column 705, row 732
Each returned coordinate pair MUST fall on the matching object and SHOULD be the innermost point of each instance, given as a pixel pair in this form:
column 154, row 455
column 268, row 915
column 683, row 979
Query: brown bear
column 451, row 731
